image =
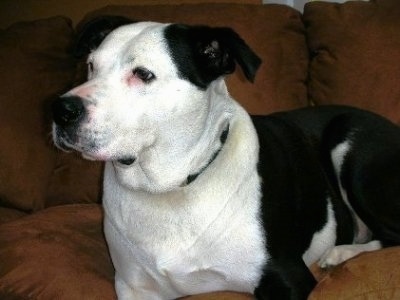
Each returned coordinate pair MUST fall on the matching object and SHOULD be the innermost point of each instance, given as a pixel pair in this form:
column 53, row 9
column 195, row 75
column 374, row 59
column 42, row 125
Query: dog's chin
column 124, row 161
column 86, row 154
column 93, row 154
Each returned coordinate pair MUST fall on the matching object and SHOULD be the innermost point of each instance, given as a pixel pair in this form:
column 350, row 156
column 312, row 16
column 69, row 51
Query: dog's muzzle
column 68, row 114
column 68, row 111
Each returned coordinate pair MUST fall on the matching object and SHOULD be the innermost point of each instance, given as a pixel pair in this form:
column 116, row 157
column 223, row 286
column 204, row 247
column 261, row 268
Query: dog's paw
column 339, row 254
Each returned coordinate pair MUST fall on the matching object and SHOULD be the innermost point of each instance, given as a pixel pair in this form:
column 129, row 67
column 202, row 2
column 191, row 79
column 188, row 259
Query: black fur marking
column 202, row 54
column 294, row 204
column 92, row 33
column 371, row 170
column 297, row 171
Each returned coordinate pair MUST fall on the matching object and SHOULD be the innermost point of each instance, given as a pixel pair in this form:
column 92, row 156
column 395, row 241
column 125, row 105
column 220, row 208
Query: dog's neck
column 222, row 138
column 180, row 152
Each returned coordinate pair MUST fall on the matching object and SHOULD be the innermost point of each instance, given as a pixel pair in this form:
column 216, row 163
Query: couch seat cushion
column 371, row 275
column 9, row 214
column 57, row 253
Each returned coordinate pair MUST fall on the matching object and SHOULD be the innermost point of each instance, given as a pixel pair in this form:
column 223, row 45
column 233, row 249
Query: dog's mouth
column 89, row 151
column 62, row 140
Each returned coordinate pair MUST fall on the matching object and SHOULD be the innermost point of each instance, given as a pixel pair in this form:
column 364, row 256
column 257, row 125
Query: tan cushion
column 57, row 253
column 274, row 32
column 372, row 275
column 355, row 50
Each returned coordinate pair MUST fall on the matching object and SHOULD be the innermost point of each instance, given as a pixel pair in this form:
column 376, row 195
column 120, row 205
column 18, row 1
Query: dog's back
column 334, row 157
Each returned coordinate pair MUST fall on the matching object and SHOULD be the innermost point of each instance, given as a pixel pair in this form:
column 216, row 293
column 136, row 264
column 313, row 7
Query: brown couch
column 51, row 240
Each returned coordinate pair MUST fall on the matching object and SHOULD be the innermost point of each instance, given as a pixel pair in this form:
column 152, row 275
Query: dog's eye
column 143, row 74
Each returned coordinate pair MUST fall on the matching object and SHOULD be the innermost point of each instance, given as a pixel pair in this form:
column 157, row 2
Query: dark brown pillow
column 57, row 253
column 356, row 54
column 274, row 32
column 34, row 68
column 74, row 180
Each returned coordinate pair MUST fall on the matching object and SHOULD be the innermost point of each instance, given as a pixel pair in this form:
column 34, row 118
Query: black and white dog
column 198, row 195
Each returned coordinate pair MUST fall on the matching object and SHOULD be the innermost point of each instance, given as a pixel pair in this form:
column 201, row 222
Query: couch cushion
column 34, row 68
column 9, row 214
column 74, row 180
column 274, row 32
column 57, row 253
column 355, row 50
column 372, row 275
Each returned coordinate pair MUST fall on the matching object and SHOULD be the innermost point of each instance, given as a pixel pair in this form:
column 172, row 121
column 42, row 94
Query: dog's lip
column 127, row 161
column 61, row 140
column 63, row 144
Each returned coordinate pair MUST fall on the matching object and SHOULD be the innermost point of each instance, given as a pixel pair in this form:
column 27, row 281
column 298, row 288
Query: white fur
column 338, row 155
column 323, row 240
column 341, row 253
column 180, row 237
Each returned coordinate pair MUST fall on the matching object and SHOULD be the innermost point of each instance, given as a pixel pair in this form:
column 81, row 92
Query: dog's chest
column 194, row 248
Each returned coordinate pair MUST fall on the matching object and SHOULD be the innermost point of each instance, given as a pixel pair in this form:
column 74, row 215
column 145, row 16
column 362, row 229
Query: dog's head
column 153, row 91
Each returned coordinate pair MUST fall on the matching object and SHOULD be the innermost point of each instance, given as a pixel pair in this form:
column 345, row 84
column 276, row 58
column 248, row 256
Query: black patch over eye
column 143, row 74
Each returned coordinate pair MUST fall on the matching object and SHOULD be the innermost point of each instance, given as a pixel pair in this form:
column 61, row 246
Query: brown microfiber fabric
column 34, row 68
column 74, row 180
column 372, row 275
column 9, row 214
column 57, row 253
column 355, row 49
column 274, row 32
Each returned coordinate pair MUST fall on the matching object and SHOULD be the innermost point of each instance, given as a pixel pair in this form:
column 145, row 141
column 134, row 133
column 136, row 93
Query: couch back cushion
column 274, row 32
column 34, row 68
column 355, row 49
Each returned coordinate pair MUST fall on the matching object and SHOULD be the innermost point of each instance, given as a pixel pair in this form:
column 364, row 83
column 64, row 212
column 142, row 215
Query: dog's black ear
column 203, row 53
column 91, row 34
column 221, row 48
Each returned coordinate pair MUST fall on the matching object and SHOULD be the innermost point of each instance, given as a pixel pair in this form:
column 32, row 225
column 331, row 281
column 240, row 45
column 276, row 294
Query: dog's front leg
column 285, row 280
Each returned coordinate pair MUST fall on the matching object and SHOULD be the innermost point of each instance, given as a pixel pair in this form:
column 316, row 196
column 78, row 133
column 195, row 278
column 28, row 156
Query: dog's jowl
column 199, row 196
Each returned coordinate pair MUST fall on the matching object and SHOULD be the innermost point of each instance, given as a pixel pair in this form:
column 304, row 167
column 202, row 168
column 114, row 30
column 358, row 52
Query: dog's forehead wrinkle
column 127, row 32
column 119, row 39
column 132, row 47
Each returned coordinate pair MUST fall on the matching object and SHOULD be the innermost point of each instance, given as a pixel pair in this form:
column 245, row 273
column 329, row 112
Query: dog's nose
column 68, row 110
